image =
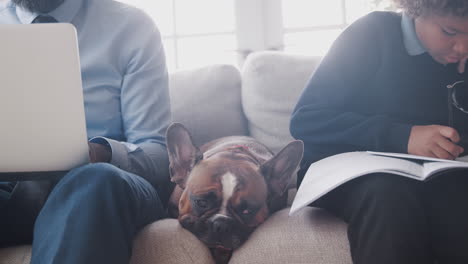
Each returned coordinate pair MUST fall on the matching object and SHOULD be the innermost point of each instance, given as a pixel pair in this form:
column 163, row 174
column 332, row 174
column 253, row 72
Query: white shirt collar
column 410, row 38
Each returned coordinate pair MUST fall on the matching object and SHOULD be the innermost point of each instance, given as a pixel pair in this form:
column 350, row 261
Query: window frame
column 258, row 27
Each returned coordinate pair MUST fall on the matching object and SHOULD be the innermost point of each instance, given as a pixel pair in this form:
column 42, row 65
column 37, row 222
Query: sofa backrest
column 217, row 100
column 272, row 82
column 207, row 101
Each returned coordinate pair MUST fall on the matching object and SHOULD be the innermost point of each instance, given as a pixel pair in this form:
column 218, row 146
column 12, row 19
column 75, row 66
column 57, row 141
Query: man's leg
column 6, row 188
column 92, row 215
column 20, row 203
column 5, row 193
column 386, row 219
column 447, row 197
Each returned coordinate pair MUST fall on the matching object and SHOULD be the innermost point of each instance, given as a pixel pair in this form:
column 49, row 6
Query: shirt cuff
column 397, row 138
column 119, row 156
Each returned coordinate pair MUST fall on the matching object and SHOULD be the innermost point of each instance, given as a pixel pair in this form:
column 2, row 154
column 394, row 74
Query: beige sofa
column 220, row 100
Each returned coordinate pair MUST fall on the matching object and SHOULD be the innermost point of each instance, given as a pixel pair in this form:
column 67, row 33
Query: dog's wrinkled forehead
column 227, row 178
column 233, row 155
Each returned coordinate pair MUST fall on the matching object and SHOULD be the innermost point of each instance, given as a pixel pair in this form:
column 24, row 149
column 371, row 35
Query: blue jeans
column 92, row 215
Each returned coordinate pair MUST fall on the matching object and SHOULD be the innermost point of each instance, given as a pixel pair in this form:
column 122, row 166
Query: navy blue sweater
column 368, row 92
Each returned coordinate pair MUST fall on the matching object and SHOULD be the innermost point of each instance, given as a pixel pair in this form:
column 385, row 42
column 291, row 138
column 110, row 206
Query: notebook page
column 431, row 168
column 326, row 174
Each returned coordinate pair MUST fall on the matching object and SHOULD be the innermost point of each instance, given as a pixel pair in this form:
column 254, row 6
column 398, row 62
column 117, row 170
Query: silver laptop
column 42, row 120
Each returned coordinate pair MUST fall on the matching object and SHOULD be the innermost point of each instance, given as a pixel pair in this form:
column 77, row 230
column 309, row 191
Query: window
column 194, row 33
column 201, row 32
column 311, row 26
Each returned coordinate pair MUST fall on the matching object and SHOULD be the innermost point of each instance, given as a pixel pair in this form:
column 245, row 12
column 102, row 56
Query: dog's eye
column 246, row 209
column 202, row 203
column 247, row 212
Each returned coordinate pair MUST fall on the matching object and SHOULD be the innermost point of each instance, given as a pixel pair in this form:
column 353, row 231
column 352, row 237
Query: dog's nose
column 222, row 224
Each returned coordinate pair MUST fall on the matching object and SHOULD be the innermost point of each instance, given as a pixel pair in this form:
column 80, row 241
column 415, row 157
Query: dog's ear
column 183, row 154
column 279, row 170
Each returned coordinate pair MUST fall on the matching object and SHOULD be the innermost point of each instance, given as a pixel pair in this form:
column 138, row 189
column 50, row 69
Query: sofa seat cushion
column 165, row 241
column 310, row 236
column 272, row 84
column 16, row 255
column 207, row 101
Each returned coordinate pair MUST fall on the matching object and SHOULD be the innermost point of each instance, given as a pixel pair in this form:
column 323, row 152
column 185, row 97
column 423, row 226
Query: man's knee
column 104, row 170
column 101, row 177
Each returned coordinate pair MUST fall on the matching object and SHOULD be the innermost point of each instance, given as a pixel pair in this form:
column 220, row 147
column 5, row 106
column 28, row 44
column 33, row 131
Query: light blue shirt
column 125, row 82
column 410, row 38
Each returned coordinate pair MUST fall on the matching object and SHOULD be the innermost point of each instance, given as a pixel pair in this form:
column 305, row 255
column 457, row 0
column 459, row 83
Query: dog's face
column 226, row 192
column 224, row 199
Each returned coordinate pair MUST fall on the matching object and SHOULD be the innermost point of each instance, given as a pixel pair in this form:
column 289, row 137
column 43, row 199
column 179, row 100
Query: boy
column 383, row 87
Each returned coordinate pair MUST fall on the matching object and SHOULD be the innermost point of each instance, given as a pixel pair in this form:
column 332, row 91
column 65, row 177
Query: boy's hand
column 434, row 141
column 99, row 153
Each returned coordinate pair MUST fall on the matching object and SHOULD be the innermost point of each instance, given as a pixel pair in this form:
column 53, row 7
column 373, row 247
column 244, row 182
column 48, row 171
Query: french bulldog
column 227, row 187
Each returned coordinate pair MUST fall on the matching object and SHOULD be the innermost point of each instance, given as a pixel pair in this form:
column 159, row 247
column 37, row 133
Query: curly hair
column 417, row 8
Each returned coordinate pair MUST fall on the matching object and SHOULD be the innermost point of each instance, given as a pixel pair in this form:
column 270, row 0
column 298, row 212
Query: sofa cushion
column 272, row 84
column 165, row 241
column 310, row 236
column 207, row 101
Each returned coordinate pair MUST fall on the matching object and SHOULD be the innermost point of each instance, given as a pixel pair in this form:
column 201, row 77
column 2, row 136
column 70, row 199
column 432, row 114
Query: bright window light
column 312, row 13
column 201, row 32
column 204, row 16
column 358, row 8
column 311, row 26
column 206, row 50
column 195, row 33
column 314, row 43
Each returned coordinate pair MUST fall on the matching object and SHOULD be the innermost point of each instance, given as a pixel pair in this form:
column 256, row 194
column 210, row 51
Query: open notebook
column 328, row 173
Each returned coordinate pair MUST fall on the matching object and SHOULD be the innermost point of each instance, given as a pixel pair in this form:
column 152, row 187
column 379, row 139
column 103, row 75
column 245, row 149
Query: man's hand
column 434, row 141
column 99, row 153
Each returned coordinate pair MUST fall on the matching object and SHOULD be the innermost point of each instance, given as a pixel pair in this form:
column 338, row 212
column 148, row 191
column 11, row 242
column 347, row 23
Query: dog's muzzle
column 221, row 224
